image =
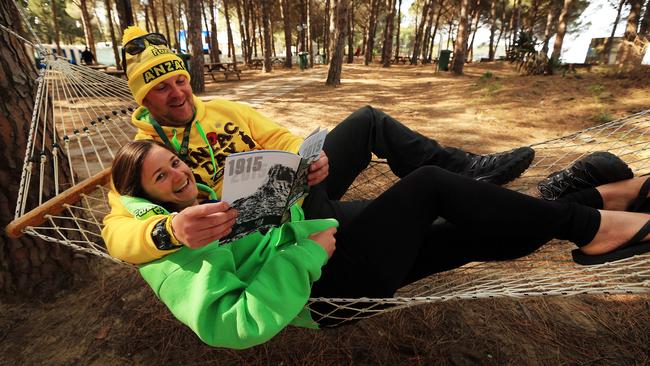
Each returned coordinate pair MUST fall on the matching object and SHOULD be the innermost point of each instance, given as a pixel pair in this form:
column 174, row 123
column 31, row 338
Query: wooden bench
column 226, row 68
column 256, row 63
column 115, row 73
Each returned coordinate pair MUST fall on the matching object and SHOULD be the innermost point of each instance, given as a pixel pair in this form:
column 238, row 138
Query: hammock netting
column 86, row 116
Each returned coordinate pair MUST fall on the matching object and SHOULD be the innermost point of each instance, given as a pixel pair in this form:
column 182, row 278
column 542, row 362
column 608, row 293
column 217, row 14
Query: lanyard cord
column 183, row 147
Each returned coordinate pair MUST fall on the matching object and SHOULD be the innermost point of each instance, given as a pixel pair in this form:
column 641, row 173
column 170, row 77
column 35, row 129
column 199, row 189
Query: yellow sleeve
column 128, row 238
column 269, row 134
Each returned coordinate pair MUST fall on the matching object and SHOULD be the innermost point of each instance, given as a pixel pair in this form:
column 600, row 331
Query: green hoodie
column 243, row 293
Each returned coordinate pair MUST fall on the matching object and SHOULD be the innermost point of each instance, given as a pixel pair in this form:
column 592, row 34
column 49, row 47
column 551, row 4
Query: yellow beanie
column 148, row 68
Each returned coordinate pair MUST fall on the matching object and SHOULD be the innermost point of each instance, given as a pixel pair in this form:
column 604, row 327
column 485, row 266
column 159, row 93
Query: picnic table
column 401, row 59
column 115, row 73
column 98, row 67
column 256, row 63
column 227, row 68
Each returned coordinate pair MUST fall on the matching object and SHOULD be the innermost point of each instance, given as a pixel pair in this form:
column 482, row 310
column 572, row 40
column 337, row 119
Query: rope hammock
column 81, row 117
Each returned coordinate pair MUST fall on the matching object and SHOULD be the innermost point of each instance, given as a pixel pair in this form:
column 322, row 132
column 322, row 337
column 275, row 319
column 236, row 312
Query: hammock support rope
column 86, row 116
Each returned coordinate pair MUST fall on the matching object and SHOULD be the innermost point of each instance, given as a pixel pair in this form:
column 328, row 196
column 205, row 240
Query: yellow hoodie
column 228, row 127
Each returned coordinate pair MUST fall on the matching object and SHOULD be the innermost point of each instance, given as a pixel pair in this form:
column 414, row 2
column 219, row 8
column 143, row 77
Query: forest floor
column 109, row 316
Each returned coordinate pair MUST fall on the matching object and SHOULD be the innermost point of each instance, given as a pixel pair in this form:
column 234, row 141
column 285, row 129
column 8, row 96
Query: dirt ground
column 111, row 317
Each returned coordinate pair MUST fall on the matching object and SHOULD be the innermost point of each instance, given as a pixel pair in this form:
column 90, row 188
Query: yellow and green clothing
column 219, row 128
column 243, row 293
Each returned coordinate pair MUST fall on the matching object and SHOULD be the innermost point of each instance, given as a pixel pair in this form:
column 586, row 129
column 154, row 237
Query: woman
column 241, row 294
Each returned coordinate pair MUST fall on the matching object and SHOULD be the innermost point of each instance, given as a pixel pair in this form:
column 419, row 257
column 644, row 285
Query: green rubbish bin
column 443, row 61
column 186, row 60
column 302, row 60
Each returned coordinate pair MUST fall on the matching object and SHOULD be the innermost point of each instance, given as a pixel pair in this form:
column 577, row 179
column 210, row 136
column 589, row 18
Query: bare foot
column 617, row 196
column 616, row 228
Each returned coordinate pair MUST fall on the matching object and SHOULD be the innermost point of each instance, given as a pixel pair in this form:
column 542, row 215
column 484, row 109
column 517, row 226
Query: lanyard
column 184, row 146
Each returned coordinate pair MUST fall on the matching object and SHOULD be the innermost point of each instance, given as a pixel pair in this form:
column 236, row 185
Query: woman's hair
column 127, row 167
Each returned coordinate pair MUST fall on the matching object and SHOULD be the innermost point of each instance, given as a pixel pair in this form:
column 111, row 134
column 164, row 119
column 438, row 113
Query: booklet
column 262, row 185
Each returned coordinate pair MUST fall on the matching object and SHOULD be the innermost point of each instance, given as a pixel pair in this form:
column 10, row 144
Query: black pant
column 390, row 241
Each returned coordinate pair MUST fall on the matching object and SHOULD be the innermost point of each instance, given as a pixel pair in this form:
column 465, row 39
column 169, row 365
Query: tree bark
column 461, row 39
column 326, row 32
column 214, row 41
column 194, row 37
column 559, row 37
column 309, row 35
column 57, row 30
column 28, row 266
column 427, row 34
column 372, row 30
column 550, row 17
column 166, row 22
column 154, row 15
column 493, row 29
column 474, row 25
column 399, row 21
column 116, row 52
column 632, row 49
column 435, row 28
column 266, row 25
column 286, row 21
column 644, row 27
column 608, row 43
column 175, row 19
column 340, row 8
column 351, row 32
column 419, row 34
column 387, row 49
column 88, row 29
column 242, row 32
column 124, row 14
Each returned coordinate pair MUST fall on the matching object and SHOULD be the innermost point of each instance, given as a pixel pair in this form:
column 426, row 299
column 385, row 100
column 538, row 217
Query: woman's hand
column 326, row 240
column 199, row 225
column 318, row 170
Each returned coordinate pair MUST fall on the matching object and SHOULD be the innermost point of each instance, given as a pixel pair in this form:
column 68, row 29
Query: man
column 87, row 57
column 204, row 134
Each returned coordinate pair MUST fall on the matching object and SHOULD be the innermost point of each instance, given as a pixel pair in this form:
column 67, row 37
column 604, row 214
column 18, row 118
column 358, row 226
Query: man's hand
column 197, row 226
column 318, row 170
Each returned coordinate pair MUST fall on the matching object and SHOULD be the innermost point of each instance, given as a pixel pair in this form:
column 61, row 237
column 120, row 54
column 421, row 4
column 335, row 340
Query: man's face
column 170, row 101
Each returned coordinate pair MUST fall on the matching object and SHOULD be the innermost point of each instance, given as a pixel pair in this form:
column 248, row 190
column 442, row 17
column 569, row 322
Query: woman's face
column 165, row 178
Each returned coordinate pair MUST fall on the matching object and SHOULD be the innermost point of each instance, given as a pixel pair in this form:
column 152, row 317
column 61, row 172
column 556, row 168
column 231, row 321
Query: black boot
column 590, row 171
column 499, row 168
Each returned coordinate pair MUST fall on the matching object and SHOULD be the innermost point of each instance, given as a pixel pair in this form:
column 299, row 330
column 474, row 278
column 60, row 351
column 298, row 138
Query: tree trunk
column 493, row 29
column 231, row 42
column 57, row 31
column 435, row 28
column 644, row 28
column 387, row 49
column 549, row 26
column 326, row 32
column 461, row 39
column 266, row 25
column 399, row 21
column 284, row 12
column 427, row 34
column 372, row 29
column 88, row 29
column 630, row 53
column 214, row 41
column 309, row 35
column 177, row 43
column 166, row 22
column 242, row 32
column 474, row 25
column 351, row 32
column 419, row 34
column 194, row 38
column 116, row 52
column 28, row 266
column 607, row 50
column 180, row 26
column 147, row 22
column 154, row 15
column 559, row 37
column 124, row 14
column 340, row 10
